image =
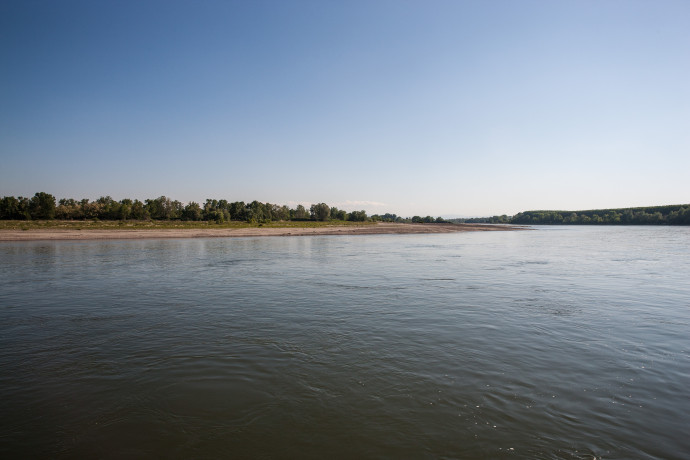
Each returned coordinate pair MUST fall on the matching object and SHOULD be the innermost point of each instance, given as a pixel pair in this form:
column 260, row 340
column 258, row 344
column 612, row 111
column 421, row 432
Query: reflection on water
column 558, row 343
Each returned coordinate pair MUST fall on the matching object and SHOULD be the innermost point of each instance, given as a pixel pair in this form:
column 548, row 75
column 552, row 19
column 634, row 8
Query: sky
column 450, row 108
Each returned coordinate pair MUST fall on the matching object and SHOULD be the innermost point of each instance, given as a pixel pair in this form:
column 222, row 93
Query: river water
column 561, row 342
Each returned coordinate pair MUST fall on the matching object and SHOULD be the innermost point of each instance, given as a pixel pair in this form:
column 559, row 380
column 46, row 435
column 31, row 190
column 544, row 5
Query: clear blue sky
column 413, row 107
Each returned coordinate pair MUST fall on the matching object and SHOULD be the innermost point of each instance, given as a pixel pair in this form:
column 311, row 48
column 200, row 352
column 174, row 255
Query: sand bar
column 119, row 234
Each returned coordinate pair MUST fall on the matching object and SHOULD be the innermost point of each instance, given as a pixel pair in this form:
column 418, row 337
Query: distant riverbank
column 37, row 234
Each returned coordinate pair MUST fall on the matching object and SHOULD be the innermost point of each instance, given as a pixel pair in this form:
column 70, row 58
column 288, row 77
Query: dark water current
column 555, row 343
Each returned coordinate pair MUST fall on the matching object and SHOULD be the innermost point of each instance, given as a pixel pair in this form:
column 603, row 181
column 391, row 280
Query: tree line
column 44, row 206
column 650, row 215
column 504, row 219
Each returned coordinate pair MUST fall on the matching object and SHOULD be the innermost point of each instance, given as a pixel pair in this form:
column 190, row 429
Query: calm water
column 563, row 342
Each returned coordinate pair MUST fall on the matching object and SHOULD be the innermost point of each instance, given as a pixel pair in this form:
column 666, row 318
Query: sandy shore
column 377, row 229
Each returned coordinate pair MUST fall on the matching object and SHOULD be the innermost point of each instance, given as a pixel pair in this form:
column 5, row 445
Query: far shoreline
column 381, row 228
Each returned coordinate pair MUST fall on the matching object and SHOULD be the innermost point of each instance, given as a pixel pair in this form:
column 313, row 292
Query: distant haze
column 416, row 108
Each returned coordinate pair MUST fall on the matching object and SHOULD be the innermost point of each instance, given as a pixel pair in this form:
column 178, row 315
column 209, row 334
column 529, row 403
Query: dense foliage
column 43, row 206
column 504, row 219
column 651, row 215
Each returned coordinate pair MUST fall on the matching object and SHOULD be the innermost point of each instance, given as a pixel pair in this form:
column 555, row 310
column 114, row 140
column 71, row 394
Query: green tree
column 162, row 208
column 388, row 217
column 124, row 211
column 14, row 208
column 238, row 210
column 358, row 216
column 42, row 206
column 139, row 211
column 192, row 211
column 299, row 213
column 258, row 212
column 109, row 208
column 338, row 214
column 68, row 209
column 216, row 211
column 280, row 212
column 320, row 211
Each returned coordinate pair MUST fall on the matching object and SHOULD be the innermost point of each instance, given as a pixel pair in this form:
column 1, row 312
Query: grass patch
column 162, row 224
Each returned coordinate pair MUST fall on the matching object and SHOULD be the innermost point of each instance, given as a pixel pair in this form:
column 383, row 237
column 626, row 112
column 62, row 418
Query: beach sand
column 121, row 234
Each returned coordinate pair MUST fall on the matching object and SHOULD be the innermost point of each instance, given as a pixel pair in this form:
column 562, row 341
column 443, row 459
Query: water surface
column 564, row 342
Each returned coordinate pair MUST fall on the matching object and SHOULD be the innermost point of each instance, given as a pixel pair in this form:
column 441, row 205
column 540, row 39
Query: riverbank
column 380, row 228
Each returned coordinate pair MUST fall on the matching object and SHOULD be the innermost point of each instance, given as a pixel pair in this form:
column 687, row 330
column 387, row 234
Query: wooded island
column 650, row 215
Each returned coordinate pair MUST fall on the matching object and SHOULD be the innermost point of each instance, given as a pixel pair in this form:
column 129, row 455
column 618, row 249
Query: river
column 554, row 343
